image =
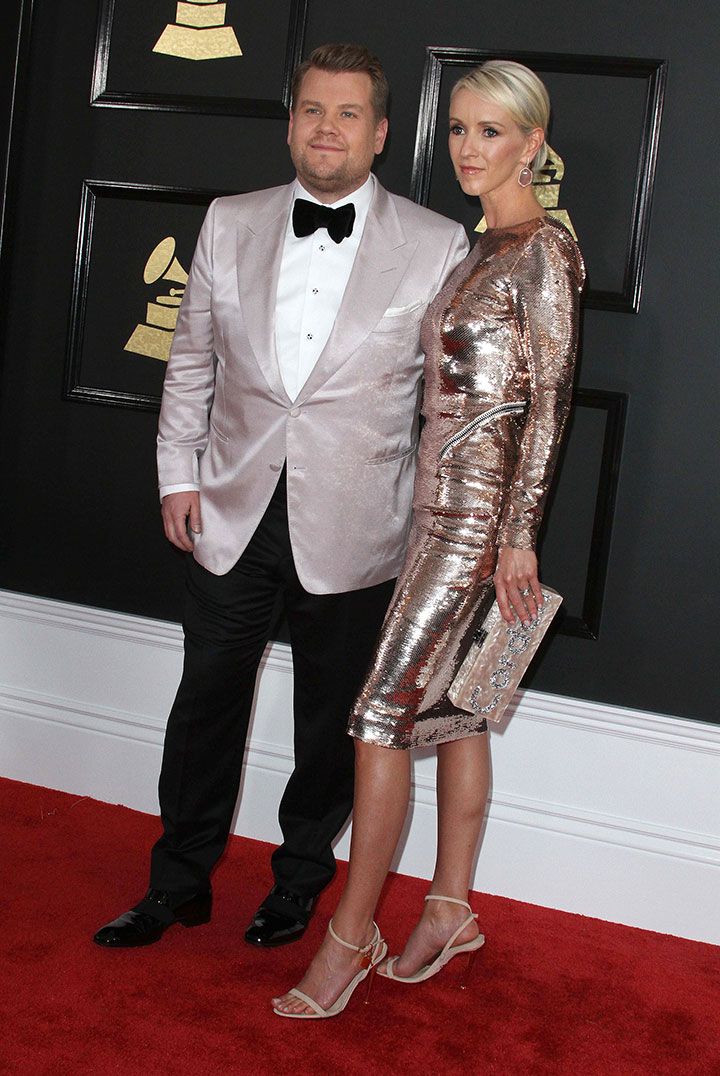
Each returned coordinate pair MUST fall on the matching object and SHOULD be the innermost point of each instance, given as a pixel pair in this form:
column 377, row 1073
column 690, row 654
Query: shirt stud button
column 314, row 291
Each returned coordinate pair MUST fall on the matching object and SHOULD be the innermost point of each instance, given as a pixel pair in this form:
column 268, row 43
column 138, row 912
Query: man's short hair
column 347, row 58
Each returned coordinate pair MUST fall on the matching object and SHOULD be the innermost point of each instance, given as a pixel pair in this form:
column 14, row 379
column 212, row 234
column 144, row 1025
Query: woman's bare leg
column 382, row 792
column 462, row 786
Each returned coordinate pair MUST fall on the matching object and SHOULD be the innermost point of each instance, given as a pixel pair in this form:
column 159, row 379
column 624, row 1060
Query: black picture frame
column 105, row 96
column 75, row 383
column 652, row 71
column 18, row 19
column 584, row 623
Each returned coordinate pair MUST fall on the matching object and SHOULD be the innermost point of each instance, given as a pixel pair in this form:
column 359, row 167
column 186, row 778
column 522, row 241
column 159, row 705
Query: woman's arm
column 547, row 281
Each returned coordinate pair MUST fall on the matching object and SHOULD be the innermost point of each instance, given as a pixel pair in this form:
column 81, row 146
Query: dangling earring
column 525, row 176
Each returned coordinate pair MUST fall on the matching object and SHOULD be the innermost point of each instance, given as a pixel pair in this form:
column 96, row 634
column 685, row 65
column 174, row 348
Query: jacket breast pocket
column 399, row 319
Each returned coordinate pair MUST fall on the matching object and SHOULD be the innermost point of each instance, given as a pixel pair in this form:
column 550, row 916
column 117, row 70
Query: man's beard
column 340, row 178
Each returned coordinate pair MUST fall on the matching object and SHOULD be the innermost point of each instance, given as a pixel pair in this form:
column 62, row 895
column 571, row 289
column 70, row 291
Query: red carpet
column 551, row 993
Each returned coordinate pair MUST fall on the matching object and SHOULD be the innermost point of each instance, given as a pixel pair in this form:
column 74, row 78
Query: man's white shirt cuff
column 181, row 487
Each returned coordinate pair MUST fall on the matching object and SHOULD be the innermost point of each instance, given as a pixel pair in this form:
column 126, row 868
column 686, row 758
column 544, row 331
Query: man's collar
column 360, row 198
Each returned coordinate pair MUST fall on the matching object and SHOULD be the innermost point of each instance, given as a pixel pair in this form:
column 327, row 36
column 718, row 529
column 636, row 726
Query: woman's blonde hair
column 516, row 88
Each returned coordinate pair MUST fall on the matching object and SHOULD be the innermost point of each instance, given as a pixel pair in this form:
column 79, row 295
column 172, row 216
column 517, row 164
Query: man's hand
column 517, row 587
column 180, row 510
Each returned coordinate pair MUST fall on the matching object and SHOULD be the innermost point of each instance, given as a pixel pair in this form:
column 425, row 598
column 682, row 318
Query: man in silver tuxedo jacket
column 286, row 454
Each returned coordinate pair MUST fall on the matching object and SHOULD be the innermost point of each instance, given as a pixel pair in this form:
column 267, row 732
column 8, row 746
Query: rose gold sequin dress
column 500, row 342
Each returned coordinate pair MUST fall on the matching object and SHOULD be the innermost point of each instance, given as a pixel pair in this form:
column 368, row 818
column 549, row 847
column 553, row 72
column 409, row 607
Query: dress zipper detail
column 514, row 407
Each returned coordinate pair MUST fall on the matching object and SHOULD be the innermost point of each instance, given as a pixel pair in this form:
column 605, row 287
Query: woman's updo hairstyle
column 516, row 88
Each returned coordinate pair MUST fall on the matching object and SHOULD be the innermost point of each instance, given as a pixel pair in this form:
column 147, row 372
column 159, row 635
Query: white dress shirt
column 313, row 276
column 314, row 272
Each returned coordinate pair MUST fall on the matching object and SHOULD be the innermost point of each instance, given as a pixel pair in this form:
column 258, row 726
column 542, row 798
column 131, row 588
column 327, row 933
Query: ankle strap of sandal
column 465, row 923
column 451, row 900
column 364, row 950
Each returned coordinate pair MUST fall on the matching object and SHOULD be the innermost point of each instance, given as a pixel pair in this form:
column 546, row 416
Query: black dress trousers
column 227, row 623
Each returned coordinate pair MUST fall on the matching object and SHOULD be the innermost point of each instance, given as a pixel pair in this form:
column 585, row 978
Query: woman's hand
column 517, row 586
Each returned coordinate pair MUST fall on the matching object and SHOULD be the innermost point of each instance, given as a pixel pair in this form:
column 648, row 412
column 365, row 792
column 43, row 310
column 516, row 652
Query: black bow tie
column 309, row 216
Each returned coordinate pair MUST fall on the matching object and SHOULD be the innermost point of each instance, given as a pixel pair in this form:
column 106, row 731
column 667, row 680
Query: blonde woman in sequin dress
column 500, row 342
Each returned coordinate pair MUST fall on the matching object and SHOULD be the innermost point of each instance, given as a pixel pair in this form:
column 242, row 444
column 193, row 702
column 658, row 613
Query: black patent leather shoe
column 147, row 921
column 281, row 918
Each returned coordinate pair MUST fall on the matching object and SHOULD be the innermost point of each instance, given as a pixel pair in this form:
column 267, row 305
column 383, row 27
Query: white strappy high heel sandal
column 372, row 954
column 446, row 954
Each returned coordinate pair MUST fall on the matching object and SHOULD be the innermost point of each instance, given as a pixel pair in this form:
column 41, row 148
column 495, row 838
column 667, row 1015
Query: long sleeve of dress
column 546, row 285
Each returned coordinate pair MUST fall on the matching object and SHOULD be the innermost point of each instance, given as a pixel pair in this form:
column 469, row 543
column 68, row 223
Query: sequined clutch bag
column 498, row 659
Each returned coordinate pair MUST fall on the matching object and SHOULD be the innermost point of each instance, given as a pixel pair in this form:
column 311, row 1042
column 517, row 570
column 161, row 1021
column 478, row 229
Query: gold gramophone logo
column 154, row 338
column 546, row 186
column 198, row 33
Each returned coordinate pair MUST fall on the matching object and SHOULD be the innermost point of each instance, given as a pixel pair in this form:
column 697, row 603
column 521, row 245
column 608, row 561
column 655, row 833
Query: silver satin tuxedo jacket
column 350, row 436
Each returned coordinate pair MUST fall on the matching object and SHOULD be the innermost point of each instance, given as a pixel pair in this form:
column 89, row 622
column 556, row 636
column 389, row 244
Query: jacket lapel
column 380, row 265
column 259, row 255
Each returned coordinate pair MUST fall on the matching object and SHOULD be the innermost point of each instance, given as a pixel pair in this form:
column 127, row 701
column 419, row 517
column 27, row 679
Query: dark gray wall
column 80, row 514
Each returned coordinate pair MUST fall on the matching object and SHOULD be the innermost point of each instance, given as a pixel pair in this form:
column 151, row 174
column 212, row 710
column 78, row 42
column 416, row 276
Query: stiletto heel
column 445, row 955
column 371, row 979
column 371, row 954
column 466, row 972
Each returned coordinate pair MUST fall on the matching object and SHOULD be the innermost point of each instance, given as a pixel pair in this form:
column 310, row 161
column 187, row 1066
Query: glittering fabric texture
column 500, row 342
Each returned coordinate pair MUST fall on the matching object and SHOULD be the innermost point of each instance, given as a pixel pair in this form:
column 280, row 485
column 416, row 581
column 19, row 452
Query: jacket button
column 295, row 412
column 276, row 467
